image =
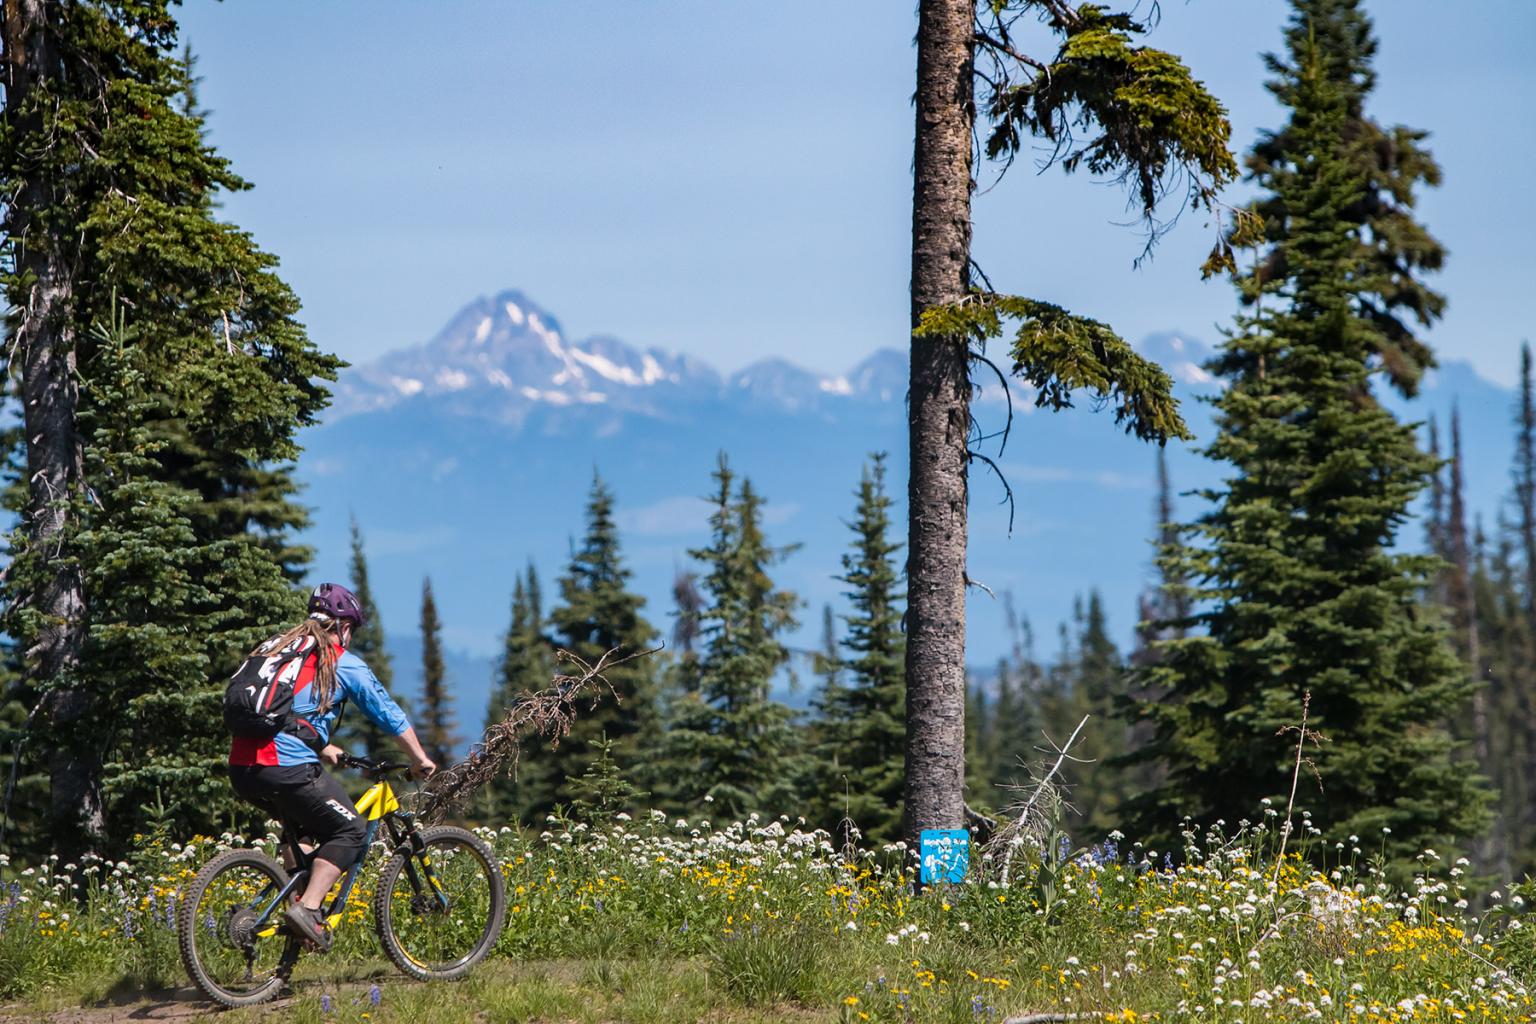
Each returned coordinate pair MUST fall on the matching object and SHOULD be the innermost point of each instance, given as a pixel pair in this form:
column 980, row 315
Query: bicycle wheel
column 438, row 913
column 218, row 929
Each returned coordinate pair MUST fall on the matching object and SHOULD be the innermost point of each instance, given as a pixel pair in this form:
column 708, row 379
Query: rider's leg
column 322, row 875
column 325, row 812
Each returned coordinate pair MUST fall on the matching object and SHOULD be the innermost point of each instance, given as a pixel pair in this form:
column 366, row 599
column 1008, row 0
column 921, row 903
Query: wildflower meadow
column 672, row 919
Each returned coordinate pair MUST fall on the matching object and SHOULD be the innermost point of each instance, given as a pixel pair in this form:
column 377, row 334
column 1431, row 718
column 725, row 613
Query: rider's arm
column 422, row 764
column 364, row 688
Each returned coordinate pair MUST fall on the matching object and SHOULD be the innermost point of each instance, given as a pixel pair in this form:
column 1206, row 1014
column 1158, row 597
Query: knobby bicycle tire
column 442, row 843
column 187, row 924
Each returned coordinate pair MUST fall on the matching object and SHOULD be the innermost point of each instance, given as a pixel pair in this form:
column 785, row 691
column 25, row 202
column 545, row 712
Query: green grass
column 671, row 921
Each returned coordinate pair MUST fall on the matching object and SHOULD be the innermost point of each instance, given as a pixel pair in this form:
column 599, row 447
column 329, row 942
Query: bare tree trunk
column 938, row 422
column 45, row 349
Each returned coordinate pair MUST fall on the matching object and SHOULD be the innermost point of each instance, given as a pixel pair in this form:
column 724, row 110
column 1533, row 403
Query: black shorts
column 303, row 797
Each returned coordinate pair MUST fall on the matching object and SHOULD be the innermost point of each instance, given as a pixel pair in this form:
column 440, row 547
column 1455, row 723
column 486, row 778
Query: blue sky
column 733, row 180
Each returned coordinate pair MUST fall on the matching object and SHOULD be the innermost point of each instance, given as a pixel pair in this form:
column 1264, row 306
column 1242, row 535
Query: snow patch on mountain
column 502, row 356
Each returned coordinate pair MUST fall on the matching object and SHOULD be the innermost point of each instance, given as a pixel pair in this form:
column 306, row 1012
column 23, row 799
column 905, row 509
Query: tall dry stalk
column 1302, row 735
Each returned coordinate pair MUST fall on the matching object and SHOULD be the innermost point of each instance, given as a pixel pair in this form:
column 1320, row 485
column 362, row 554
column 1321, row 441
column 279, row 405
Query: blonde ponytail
column 319, row 630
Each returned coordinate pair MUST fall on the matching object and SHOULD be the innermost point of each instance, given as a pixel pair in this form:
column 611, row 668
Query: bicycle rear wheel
column 439, row 912
column 232, row 955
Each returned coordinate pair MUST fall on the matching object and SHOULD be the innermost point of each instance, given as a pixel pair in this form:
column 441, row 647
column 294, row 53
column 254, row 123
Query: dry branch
column 547, row 713
column 1028, row 819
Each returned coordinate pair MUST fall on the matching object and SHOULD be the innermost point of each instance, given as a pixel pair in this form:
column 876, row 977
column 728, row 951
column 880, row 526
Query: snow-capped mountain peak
column 500, row 356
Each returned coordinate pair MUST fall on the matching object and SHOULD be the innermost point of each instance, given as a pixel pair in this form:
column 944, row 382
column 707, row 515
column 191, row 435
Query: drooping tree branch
column 1059, row 353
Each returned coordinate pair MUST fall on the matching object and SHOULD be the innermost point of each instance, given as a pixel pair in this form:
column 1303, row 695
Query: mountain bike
column 438, row 906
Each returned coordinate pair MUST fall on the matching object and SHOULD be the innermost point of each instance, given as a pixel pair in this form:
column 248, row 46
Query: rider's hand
column 332, row 755
column 423, row 768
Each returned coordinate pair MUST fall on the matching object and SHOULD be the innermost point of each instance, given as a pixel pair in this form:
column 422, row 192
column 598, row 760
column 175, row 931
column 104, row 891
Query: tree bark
column 44, row 340
column 938, row 420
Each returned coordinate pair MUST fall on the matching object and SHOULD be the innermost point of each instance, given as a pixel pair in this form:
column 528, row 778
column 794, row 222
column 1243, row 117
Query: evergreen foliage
column 1299, row 589
column 863, row 707
column 1058, row 353
column 1094, row 684
column 156, row 615
column 435, row 725
column 1101, row 102
column 1393, row 249
column 597, row 613
column 603, row 790
column 527, row 665
column 738, row 744
column 226, row 378
column 357, row 734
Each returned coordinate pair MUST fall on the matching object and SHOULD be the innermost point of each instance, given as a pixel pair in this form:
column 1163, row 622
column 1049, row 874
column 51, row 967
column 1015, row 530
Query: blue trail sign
column 944, row 854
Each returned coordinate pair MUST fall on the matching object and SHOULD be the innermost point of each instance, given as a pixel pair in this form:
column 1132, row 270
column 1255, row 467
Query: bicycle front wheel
column 233, row 953
column 439, row 912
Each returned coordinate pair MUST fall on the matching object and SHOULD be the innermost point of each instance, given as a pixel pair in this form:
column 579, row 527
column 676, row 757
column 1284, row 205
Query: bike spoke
column 227, row 937
column 440, row 906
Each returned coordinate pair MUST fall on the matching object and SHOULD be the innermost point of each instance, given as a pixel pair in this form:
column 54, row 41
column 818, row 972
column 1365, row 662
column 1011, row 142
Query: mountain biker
column 283, row 776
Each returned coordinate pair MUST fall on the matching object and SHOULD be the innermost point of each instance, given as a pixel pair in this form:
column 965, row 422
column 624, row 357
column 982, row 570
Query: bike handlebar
column 368, row 764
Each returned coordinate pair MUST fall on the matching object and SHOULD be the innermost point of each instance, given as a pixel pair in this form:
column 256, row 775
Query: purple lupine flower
column 978, row 1006
column 1167, row 862
column 128, row 925
column 325, row 1004
column 209, row 922
column 684, row 929
column 1112, row 852
column 1063, row 848
column 598, row 904
column 170, row 912
column 375, row 996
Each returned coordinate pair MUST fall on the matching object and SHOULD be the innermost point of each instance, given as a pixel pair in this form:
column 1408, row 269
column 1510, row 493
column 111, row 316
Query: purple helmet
column 338, row 602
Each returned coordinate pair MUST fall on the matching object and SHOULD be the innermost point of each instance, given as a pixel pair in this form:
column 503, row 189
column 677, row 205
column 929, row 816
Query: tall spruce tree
column 436, row 719
column 358, row 734
column 1300, row 589
column 526, row 666
column 597, row 613
column 115, row 197
column 1098, row 681
column 737, row 741
column 864, row 712
column 1101, row 102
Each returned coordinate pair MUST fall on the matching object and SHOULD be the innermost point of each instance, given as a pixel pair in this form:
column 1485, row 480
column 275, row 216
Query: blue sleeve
column 364, row 689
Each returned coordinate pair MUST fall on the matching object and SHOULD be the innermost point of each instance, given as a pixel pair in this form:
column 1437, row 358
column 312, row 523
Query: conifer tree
column 1102, row 102
column 1163, row 608
column 139, row 547
column 1097, row 781
column 865, row 713
column 738, row 742
column 115, row 199
column 358, row 734
column 1300, row 590
column 1461, row 598
column 1525, row 480
column 598, row 613
column 436, row 723
column 526, row 667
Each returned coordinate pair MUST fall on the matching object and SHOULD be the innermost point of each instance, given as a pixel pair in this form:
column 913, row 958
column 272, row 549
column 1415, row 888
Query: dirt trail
column 182, row 1005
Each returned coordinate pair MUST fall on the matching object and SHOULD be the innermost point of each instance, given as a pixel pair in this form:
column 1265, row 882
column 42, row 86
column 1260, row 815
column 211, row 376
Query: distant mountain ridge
column 502, row 357
column 471, row 454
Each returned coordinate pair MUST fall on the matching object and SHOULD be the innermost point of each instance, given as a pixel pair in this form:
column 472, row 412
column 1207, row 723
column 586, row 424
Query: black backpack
column 258, row 703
